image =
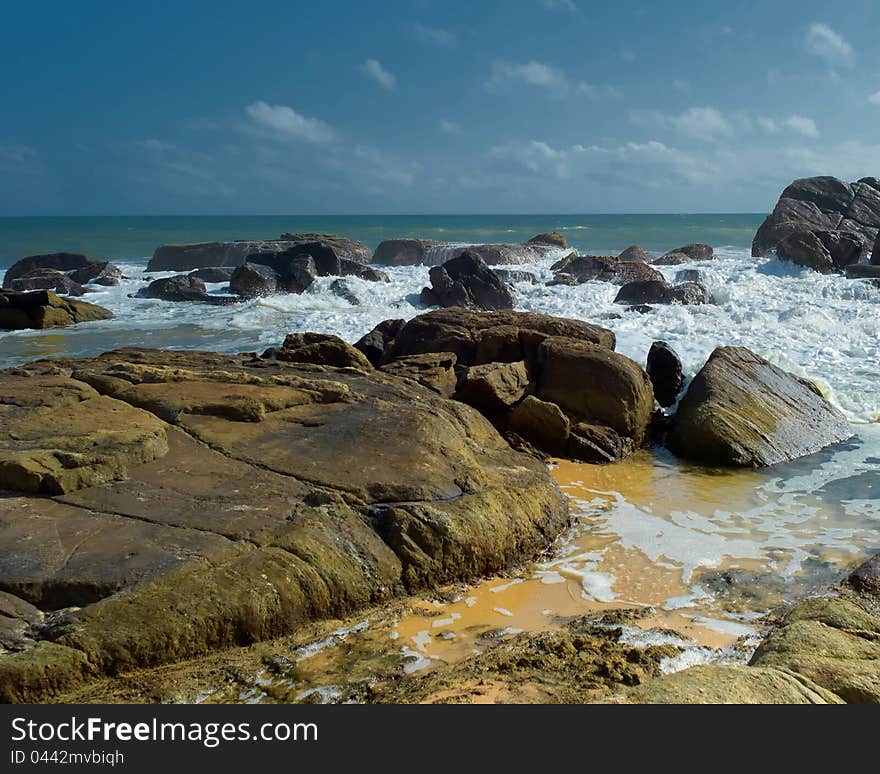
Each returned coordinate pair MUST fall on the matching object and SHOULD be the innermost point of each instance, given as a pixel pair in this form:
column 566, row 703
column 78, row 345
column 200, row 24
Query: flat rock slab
column 272, row 494
column 741, row 410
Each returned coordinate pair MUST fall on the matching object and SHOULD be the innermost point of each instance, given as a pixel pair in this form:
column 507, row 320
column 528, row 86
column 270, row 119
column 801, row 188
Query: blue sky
column 427, row 106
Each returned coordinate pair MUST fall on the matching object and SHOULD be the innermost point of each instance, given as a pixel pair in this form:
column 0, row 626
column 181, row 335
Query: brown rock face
column 493, row 386
column 434, row 370
column 584, row 268
column 81, row 268
column 43, row 309
column 201, row 501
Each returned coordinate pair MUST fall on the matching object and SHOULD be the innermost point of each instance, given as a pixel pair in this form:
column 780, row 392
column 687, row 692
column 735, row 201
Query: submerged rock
column 584, row 268
column 513, row 276
column 661, row 292
column 271, row 494
column 43, row 309
column 467, row 281
column 741, row 410
column 664, row 368
column 181, row 287
column 428, row 252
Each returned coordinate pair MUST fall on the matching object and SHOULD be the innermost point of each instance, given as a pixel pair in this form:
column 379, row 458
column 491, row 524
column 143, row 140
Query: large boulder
column 661, row 292
column 213, row 274
column 467, row 281
column 554, row 239
column 253, row 280
column 403, row 252
column 637, row 253
column 205, row 254
column 584, row 268
column 379, row 340
column 875, row 252
column 48, row 279
column 493, row 386
column 82, row 268
column 822, row 204
column 822, row 251
column 741, row 410
column 282, row 493
column 667, row 376
column 181, row 287
column 686, row 254
column 427, row 252
column 43, row 309
column 319, row 349
column 434, row 370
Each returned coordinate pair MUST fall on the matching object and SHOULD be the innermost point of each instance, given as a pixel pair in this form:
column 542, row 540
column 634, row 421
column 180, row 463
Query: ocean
column 805, row 522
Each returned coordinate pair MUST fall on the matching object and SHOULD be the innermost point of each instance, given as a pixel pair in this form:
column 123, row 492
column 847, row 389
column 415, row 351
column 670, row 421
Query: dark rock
column 664, row 368
column 43, row 309
column 342, row 290
column 427, row 252
column 661, row 292
column 689, row 275
column 178, row 288
column 513, row 276
column 352, row 269
column 686, row 254
column 63, row 262
column 543, row 424
column 402, row 252
column 741, row 410
column 606, row 269
column 319, row 349
column 561, row 264
column 253, row 280
column 866, row 579
column 494, row 337
column 298, row 274
column 493, row 386
column 828, row 193
column 875, row 253
column 379, row 340
column 637, row 253
column 467, row 281
column 640, row 309
column 48, row 279
column 791, row 216
column 822, row 251
column 345, row 248
column 213, row 274
column 554, row 238
column 434, row 370
column 871, row 181
column 97, row 273
column 566, row 280
column 597, row 444
column 863, row 271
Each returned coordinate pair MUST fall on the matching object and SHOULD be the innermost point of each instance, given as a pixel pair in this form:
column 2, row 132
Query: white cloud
column 824, row 42
column 372, row 68
column 450, row 127
column 769, row 125
column 434, row 35
column 702, row 123
column 532, row 73
column 874, row 99
column 596, row 92
column 560, row 5
column 802, row 125
column 285, row 123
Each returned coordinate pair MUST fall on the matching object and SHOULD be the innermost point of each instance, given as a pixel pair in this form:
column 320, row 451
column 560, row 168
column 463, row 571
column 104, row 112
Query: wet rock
column 287, row 493
column 741, row 410
column 48, row 279
column 689, row 275
column 595, row 267
column 686, row 254
column 178, row 288
column 434, row 370
column 213, row 274
column 863, row 271
column 379, row 340
column 661, row 292
column 97, row 273
column 513, row 276
column 320, row 349
column 866, row 579
column 43, row 309
column 822, row 251
column 875, row 253
column 427, row 252
column 253, row 280
column 467, row 281
column 62, row 262
column 368, row 273
column 344, row 291
column 597, row 444
column 664, row 368
column 541, row 423
column 559, row 266
column 493, row 386
column 345, row 248
column 637, row 253
column 554, row 239
column 403, row 252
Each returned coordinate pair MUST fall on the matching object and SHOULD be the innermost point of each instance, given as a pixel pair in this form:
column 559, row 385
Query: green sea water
column 135, row 238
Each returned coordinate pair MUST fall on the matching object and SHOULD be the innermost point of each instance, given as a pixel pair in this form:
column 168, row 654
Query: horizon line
column 379, row 215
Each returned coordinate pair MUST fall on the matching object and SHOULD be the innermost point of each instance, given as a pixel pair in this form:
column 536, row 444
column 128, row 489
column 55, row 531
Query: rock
column 686, row 254
column 863, row 271
column 43, row 309
column 741, row 410
column 664, row 368
column 822, row 204
column 561, row 264
column 379, row 340
column 97, row 273
column 637, row 253
column 403, row 252
column 504, row 337
column 541, row 423
column 512, row 276
column 48, row 279
column 661, row 292
column 345, row 248
column 594, row 267
column 640, row 309
column 875, row 253
column 822, row 251
column 299, row 273
column 592, row 383
column 320, row 349
column 434, row 370
column 212, row 254
column 722, row 684
column 493, row 386
column 689, row 275
column 467, row 281
column 351, row 269
column 287, row 494
column 341, row 289
column 253, row 280
column 63, row 262
column 866, row 578
column 597, row 444
column 554, row 239
column 213, row 274
column 181, row 287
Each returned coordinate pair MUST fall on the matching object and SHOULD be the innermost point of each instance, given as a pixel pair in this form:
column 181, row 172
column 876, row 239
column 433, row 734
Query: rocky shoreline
column 159, row 507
